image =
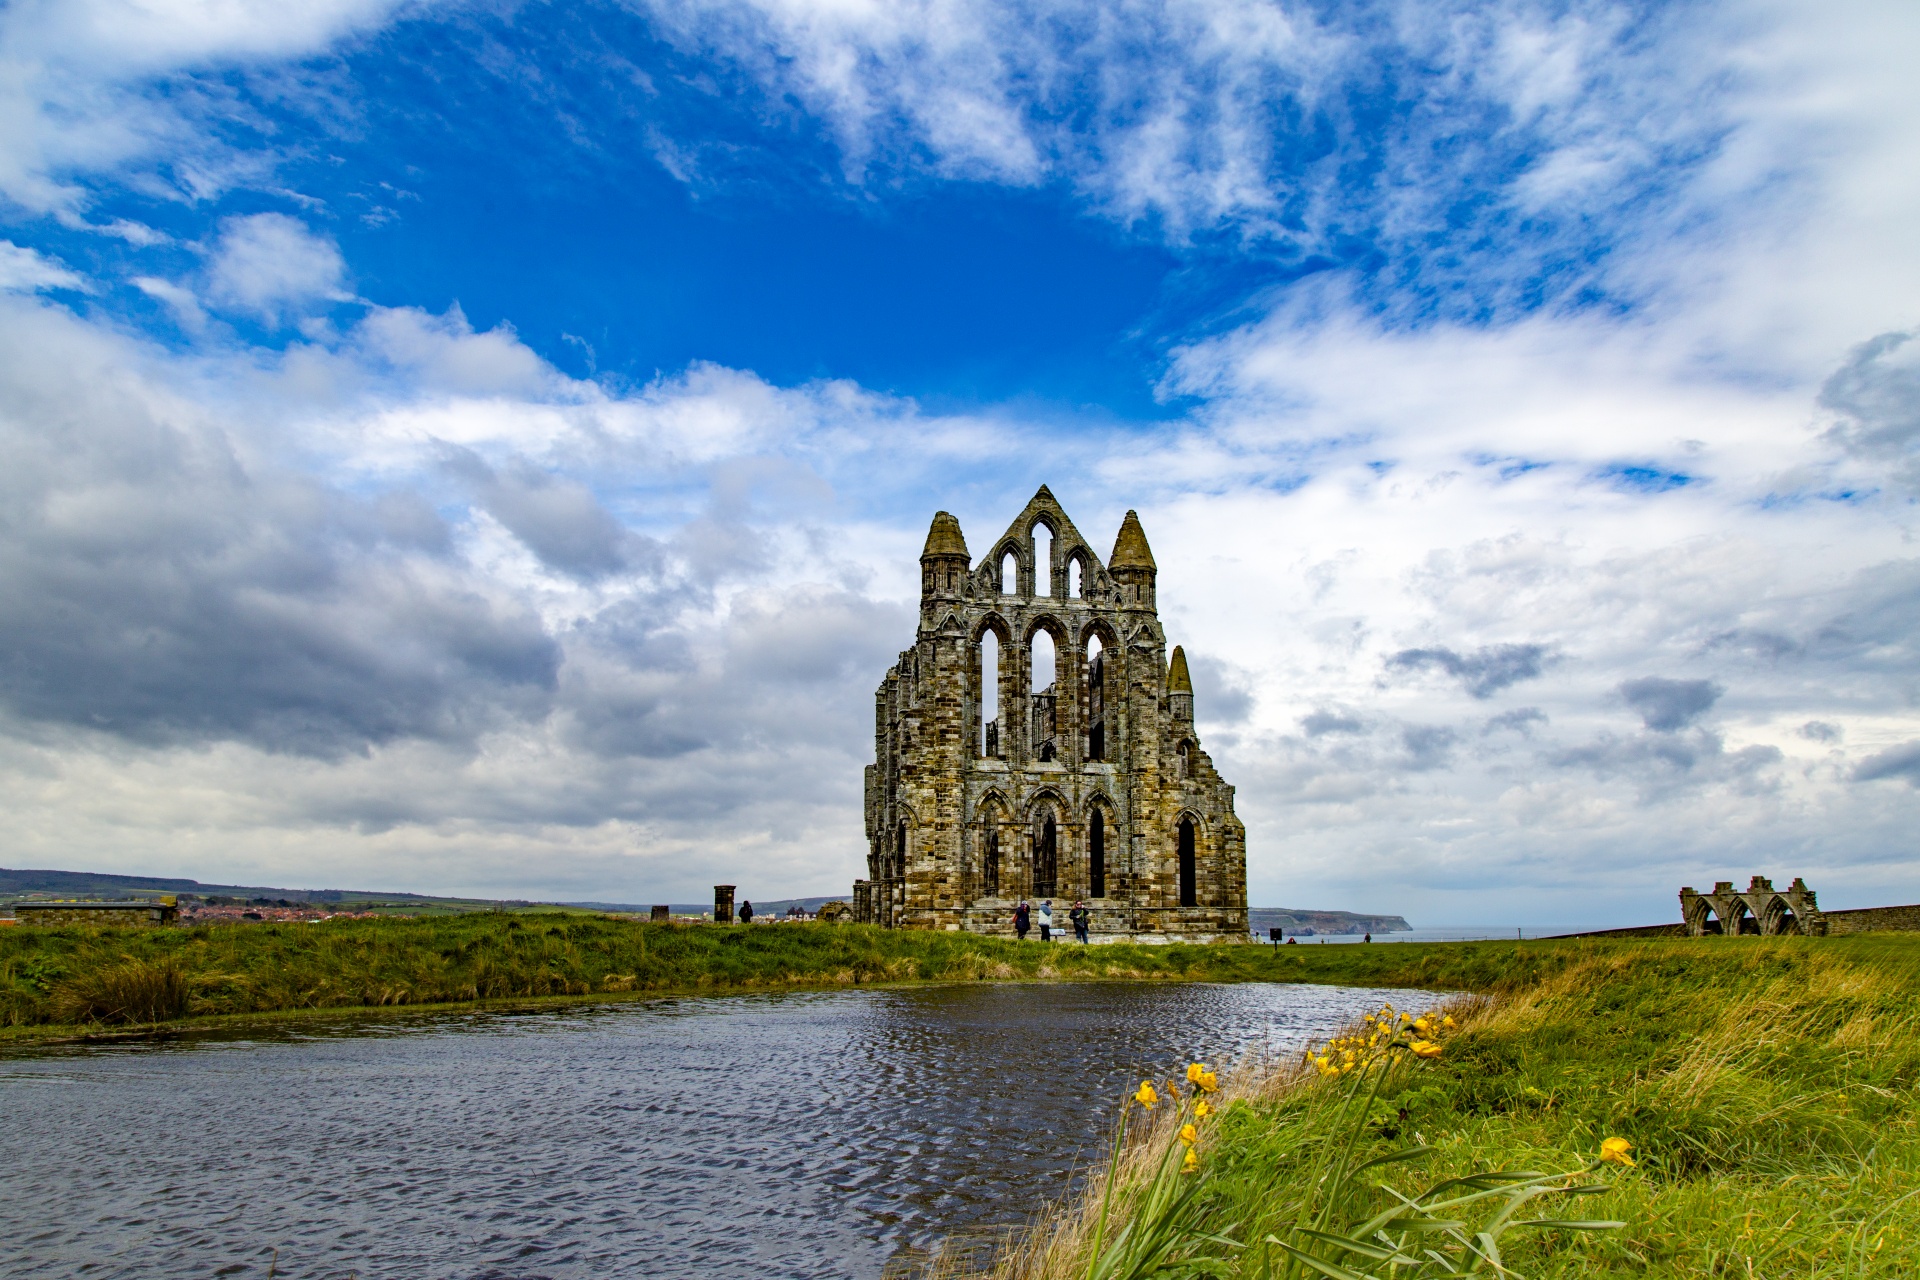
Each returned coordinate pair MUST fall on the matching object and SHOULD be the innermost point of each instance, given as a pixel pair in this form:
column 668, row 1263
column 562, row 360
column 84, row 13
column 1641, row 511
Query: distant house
column 135, row 912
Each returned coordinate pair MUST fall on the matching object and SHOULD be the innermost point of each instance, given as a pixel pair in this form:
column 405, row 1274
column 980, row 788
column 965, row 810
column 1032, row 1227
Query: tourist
column 1079, row 917
column 1369, row 937
column 1021, row 920
column 1046, row 920
column 746, row 912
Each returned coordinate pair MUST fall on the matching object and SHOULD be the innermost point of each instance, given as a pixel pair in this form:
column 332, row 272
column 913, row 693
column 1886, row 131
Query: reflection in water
column 785, row 1135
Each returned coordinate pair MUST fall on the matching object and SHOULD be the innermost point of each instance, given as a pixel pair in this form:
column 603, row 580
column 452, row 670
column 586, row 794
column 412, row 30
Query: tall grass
column 1770, row 1091
column 48, row 975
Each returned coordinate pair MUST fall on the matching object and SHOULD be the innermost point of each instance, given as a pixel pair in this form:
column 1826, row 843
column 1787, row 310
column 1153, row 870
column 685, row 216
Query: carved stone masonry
column 1762, row 909
column 1091, row 787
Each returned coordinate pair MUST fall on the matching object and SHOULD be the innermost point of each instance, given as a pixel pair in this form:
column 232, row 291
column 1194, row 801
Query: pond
column 793, row 1135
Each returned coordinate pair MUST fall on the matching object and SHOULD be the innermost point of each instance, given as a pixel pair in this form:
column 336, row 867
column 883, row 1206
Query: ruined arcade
column 1086, row 781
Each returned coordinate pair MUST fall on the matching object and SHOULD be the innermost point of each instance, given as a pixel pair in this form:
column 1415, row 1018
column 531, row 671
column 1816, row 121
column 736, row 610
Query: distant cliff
column 1296, row 920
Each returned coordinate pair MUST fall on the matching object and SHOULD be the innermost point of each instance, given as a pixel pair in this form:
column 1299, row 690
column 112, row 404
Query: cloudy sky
column 484, row 447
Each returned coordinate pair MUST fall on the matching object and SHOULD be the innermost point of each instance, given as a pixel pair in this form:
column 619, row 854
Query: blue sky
column 476, row 446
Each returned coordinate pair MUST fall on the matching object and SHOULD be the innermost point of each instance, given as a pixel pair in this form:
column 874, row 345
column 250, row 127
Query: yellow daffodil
column 1193, row 1071
column 1189, row 1134
column 1208, row 1082
column 1448, row 1022
column 1426, row 1048
column 1614, row 1151
column 1420, row 1025
column 1201, row 1110
column 1146, row 1097
column 1191, row 1163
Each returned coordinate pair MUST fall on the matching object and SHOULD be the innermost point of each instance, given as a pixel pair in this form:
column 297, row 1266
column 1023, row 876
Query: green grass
column 1770, row 1088
column 59, row 982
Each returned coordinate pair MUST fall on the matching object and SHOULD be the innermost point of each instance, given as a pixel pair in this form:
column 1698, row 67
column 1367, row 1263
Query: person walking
column 1022, row 920
column 1046, row 920
column 1079, row 917
column 746, row 912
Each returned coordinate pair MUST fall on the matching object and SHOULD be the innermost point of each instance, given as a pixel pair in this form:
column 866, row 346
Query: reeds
column 1738, row 1107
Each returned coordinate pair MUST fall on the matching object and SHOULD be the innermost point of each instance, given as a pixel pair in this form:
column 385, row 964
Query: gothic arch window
column 1189, row 887
column 1042, row 559
column 987, row 696
column 1077, row 576
column 990, row 862
column 1046, row 855
column 1009, row 572
column 1046, row 702
column 1096, row 700
column 1097, row 853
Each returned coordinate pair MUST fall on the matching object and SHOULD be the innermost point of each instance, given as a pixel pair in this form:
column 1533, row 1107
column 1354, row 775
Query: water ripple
column 805, row 1135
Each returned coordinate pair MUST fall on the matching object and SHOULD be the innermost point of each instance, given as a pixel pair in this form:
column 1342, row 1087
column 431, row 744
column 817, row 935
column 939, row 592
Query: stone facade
column 1092, row 786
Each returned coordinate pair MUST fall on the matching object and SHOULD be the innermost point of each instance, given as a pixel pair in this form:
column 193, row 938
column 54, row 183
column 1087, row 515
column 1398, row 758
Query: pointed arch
column 1101, row 833
column 992, row 817
column 1046, row 545
column 1048, row 671
column 1012, row 583
column 1187, row 841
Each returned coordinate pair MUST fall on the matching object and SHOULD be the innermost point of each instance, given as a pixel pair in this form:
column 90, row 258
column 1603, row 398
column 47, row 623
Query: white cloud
column 273, row 266
column 23, row 270
column 76, row 75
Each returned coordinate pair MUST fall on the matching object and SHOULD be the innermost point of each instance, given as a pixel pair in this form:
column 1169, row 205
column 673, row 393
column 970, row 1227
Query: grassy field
column 1770, row 1090
column 59, row 982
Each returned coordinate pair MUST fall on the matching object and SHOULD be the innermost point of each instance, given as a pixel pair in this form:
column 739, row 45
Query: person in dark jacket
column 1022, row 920
column 1079, row 916
column 746, row 912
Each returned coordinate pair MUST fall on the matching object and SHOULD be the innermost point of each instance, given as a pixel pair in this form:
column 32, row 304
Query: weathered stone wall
column 139, row 915
column 1078, row 789
column 1874, row 920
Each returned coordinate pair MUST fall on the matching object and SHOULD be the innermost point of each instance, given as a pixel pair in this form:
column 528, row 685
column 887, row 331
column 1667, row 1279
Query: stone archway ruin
column 1759, row 909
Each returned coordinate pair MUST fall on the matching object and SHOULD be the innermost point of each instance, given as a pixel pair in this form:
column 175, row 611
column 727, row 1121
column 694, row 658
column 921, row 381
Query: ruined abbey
column 1036, row 742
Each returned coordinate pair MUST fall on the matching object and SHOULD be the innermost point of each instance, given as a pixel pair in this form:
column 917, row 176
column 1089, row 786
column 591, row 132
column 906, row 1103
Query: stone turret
column 1179, row 688
column 1132, row 565
column 943, row 565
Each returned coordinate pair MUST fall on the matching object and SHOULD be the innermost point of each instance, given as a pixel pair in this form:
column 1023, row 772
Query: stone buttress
column 986, row 790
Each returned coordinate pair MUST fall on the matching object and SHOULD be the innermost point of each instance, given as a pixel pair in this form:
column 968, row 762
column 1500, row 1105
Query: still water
column 816, row 1134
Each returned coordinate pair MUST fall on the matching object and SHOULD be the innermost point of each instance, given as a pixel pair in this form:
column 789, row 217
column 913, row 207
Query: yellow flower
column 1189, row 1134
column 1201, row 1110
column 1426, row 1048
column 1146, row 1097
column 1448, row 1022
column 1208, row 1082
column 1420, row 1025
column 1614, row 1151
column 1194, row 1070
column 1191, row 1163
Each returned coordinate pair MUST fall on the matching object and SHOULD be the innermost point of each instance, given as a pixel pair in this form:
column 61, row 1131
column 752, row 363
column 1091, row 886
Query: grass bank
column 60, row 982
column 1770, row 1089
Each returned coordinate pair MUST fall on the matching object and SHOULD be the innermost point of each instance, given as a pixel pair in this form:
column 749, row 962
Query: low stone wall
column 1874, row 920
column 1636, row 931
column 136, row 914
